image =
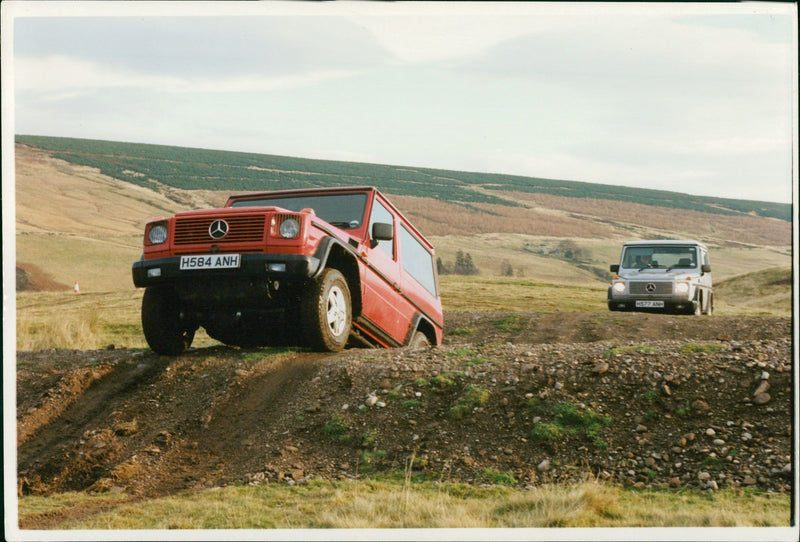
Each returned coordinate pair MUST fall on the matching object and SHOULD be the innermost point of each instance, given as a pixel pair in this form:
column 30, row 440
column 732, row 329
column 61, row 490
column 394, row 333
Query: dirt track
column 662, row 408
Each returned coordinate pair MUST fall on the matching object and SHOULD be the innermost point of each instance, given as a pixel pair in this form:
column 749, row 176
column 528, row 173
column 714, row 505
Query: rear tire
column 164, row 331
column 326, row 312
column 710, row 305
column 419, row 340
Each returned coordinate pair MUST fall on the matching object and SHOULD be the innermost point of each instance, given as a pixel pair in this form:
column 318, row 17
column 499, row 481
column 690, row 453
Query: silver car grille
column 651, row 287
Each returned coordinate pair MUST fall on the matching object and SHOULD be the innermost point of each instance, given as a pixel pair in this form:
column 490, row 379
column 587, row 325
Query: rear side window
column 417, row 261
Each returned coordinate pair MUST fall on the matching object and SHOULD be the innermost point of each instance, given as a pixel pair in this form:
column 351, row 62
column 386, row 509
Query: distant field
column 97, row 320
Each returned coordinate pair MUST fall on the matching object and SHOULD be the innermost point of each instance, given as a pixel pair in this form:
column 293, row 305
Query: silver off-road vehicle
column 662, row 276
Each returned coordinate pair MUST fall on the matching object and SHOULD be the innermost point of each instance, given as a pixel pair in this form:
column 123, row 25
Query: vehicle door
column 419, row 280
column 383, row 305
column 705, row 278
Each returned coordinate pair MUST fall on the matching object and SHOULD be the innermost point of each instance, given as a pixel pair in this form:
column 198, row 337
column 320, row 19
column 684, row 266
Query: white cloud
column 59, row 74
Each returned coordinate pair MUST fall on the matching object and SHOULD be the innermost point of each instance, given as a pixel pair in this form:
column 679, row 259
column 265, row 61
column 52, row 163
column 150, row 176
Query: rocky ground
column 524, row 398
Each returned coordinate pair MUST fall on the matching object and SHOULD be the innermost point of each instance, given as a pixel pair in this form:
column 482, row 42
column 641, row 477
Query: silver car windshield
column 660, row 257
column 344, row 211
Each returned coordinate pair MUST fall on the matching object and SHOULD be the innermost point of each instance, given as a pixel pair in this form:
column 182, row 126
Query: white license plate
column 650, row 304
column 213, row 261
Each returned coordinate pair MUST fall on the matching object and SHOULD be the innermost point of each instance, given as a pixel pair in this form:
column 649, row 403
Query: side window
column 417, row 261
column 705, row 258
column 382, row 214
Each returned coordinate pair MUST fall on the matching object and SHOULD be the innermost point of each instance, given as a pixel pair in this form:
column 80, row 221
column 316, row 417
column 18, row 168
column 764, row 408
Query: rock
column 371, row 401
column 712, row 485
column 710, row 432
column 641, row 428
column 762, row 388
column 600, row 368
column 700, row 407
column 674, row 482
column 762, row 399
column 749, row 481
column 544, row 466
column 703, row 476
column 296, row 474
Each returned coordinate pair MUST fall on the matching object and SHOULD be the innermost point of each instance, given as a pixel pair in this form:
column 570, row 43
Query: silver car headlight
column 157, row 234
column 289, row 228
column 619, row 287
column 682, row 288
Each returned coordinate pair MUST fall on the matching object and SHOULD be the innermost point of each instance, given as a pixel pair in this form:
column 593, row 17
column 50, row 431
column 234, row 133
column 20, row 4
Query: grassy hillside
column 193, row 169
column 761, row 292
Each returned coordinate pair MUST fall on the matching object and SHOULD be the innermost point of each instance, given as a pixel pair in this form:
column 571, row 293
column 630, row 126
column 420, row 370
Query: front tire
column 326, row 312
column 164, row 331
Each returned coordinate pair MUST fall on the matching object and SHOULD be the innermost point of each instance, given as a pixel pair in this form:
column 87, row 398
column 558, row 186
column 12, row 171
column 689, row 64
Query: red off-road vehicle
column 318, row 267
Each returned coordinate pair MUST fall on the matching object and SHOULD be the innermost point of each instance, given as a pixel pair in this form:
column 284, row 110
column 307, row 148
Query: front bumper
column 670, row 303
column 252, row 266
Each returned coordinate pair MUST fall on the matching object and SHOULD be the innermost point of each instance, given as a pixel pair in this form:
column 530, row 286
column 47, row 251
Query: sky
column 694, row 98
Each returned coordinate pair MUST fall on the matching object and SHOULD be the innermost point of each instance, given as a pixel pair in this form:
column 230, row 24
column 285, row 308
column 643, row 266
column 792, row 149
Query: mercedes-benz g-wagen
column 313, row 267
column 662, row 276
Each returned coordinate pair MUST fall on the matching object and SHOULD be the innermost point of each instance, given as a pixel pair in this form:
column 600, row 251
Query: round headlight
column 682, row 287
column 619, row 287
column 157, row 234
column 289, row 228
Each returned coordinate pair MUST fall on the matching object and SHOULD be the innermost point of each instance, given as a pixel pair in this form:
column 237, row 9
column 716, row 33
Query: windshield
column 341, row 210
column 659, row 257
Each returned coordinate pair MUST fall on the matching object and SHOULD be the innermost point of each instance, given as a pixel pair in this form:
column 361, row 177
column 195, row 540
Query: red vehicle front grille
column 189, row 231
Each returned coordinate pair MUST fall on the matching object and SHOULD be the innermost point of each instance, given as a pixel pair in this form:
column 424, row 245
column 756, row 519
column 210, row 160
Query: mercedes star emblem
column 218, row 229
column 650, row 287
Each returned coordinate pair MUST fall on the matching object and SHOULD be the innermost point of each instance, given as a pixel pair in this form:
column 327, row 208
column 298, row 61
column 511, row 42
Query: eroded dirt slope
column 638, row 399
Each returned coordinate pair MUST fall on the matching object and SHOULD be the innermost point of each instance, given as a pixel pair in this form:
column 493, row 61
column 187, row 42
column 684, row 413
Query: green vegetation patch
column 568, row 420
column 338, row 430
column 475, row 396
column 513, row 323
column 498, row 477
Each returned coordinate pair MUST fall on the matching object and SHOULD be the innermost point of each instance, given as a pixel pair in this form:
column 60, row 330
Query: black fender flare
column 323, row 252
column 416, row 322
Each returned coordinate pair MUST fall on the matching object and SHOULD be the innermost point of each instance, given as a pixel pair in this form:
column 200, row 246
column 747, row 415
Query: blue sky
column 696, row 98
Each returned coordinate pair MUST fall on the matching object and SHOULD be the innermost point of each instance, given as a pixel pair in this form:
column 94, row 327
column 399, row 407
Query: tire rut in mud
column 154, row 424
column 47, row 451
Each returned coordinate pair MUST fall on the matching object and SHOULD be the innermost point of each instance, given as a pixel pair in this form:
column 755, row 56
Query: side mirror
column 381, row 231
column 614, row 268
column 705, row 268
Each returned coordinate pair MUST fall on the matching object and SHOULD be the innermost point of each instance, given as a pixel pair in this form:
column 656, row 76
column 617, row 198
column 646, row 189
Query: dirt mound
column 522, row 397
column 31, row 278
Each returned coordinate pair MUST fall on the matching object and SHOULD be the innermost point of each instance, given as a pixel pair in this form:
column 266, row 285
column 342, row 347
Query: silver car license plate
column 645, row 304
